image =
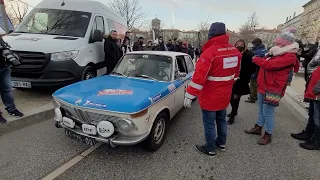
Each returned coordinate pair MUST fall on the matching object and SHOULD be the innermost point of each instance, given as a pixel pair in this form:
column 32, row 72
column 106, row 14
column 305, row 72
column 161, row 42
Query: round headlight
column 124, row 126
column 105, row 129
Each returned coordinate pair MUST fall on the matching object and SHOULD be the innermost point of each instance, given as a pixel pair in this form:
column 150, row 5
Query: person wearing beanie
column 259, row 50
column 212, row 82
column 272, row 82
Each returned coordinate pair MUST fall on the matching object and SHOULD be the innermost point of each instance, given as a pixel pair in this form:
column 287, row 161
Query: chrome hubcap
column 159, row 131
column 89, row 75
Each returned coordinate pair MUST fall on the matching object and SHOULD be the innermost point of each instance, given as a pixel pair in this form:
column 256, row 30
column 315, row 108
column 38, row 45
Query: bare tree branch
column 131, row 11
column 17, row 11
column 247, row 30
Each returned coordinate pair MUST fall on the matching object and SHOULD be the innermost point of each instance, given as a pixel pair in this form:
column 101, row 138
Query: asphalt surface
column 34, row 152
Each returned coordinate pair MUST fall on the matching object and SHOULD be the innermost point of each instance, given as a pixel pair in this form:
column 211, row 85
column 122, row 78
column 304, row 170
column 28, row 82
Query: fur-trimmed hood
column 277, row 51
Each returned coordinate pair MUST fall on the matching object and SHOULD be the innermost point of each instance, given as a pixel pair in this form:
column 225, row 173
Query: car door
column 182, row 82
column 97, row 48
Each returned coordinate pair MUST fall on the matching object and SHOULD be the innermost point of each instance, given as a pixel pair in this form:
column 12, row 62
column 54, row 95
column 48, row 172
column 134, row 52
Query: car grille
column 84, row 117
column 31, row 61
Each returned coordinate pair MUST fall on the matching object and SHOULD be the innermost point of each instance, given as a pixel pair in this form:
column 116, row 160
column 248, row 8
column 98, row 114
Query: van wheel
column 158, row 133
column 88, row 73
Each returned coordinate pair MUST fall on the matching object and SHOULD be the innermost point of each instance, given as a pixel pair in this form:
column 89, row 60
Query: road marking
column 71, row 163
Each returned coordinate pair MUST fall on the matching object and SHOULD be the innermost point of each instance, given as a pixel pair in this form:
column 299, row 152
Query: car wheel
column 158, row 133
column 88, row 73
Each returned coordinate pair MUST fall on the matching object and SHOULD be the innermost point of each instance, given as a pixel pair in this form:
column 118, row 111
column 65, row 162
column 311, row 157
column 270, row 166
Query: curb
column 292, row 103
column 32, row 117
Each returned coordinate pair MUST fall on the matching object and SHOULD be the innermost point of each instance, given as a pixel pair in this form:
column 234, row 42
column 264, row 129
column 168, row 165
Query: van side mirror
column 97, row 36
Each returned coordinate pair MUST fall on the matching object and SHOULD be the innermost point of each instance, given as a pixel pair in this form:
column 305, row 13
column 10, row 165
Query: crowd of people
column 224, row 72
column 114, row 48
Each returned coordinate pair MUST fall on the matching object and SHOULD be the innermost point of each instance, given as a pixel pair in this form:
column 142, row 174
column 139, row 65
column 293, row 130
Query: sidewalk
column 293, row 99
column 36, row 105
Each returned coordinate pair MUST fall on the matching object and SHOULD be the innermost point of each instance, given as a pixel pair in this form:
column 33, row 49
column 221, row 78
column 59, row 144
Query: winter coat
column 112, row 51
column 308, row 55
column 137, row 46
column 148, row 48
column 314, row 63
column 313, row 82
column 216, row 69
column 241, row 87
column 191, row 52
column 274, row 71
column 160, row 47
column 259, row 51
column 170, row 47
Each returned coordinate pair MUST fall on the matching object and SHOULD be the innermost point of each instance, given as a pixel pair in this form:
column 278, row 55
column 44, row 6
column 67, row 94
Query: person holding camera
column 7, row 59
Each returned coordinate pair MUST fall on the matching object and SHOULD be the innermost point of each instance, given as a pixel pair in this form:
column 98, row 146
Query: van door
column 97, row 48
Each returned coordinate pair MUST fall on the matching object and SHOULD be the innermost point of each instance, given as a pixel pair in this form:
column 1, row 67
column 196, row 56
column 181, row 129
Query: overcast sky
column 188, row 13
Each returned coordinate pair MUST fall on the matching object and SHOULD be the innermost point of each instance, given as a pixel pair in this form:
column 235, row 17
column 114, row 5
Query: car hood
column 42, row 43
column 114, row 93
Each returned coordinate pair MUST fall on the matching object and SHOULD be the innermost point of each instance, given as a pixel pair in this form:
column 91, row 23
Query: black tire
column 151, row 144
column 88, row 73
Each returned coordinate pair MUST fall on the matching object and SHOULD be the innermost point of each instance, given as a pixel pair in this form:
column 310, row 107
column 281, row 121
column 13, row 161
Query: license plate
column 80, row 138
column 20, row 84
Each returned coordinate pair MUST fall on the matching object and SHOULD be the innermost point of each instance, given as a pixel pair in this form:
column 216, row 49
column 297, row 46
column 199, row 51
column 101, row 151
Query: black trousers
column 110, row 68
column 235, row 104
column 311, row 125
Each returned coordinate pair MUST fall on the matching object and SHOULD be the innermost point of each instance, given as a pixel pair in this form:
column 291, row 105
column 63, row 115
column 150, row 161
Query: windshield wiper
column 113, row 72
column 145, row 76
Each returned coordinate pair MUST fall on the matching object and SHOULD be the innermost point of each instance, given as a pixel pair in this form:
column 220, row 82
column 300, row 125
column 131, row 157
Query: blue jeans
column 266, row 115
column 316, row 118
column 210, row 119
column 6, row 89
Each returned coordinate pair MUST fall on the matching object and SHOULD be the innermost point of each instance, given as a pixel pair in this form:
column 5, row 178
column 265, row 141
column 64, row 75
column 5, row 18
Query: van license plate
column 20, row 84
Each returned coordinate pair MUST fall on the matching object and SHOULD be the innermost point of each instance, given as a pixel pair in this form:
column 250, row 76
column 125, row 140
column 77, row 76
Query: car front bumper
column 113, row 140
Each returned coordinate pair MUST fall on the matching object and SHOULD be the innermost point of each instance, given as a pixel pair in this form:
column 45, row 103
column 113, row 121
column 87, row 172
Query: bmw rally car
column 131, row 105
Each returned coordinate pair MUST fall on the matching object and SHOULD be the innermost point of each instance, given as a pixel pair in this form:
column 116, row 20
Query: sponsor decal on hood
column 155, row 99
column 172, row 87
column 89, row 103
column 115, row 92
column 78, row 101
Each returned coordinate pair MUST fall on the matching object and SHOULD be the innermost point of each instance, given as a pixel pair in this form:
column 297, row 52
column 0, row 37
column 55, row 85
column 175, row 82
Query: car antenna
column 63, row 3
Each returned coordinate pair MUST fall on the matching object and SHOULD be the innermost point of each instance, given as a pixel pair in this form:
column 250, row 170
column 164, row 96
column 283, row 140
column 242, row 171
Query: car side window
column 189, row 64
column 182, row 64
column 98, row 24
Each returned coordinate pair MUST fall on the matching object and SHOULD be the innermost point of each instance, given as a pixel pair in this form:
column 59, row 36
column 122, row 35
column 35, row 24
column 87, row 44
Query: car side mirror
column 182, row 74
column 97, row 36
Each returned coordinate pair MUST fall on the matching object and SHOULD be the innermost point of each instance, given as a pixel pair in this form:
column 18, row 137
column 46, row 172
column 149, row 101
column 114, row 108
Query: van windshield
column 55, row 22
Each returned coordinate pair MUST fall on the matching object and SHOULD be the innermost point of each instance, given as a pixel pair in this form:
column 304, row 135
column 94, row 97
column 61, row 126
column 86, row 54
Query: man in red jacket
column 212, row 82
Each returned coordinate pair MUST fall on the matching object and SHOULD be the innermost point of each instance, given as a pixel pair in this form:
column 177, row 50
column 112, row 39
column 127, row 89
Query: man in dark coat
column 308, row 55
column 138, row 46
column 170, row 46
column 160, row 46
column 112, row 54
column 127, row 38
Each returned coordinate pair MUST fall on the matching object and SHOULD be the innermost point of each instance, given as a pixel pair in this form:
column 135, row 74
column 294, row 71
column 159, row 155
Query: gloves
column 187, row 102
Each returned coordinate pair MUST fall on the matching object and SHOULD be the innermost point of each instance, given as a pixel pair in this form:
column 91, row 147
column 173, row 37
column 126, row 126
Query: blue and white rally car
column 131, row 105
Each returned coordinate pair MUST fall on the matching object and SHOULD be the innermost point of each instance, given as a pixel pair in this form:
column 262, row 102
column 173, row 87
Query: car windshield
column 154, row 67
column 55, row 22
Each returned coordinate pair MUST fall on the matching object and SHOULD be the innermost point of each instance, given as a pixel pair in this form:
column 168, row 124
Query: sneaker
column 221, row 147
column 310, row 145
column 2, row 120
column 303, row 136
column 203, row 150
column 16, row 113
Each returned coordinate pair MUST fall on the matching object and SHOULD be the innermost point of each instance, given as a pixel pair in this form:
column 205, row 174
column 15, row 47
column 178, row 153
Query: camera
column 11, row 59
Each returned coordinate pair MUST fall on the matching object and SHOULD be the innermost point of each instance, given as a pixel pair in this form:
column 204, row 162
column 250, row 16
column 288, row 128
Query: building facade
column 310, row 22
column 267, row 35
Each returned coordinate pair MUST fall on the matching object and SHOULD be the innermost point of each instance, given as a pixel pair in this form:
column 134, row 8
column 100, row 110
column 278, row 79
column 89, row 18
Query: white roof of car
column 164, row 53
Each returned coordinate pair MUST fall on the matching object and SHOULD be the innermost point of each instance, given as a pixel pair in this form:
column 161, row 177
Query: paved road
column 33, row 152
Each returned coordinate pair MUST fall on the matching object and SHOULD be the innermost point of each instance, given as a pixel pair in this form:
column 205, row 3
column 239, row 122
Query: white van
column 62, row 43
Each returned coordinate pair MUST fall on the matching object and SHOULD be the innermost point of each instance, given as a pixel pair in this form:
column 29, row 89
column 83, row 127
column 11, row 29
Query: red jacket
column 216, row 69
column 315, row 77
column 274, row 72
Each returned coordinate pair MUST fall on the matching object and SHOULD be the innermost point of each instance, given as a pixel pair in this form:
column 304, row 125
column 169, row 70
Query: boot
column 231, row 120
column 232, row 114
column 256, row 130
column 265, row 139
column 303, row 136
